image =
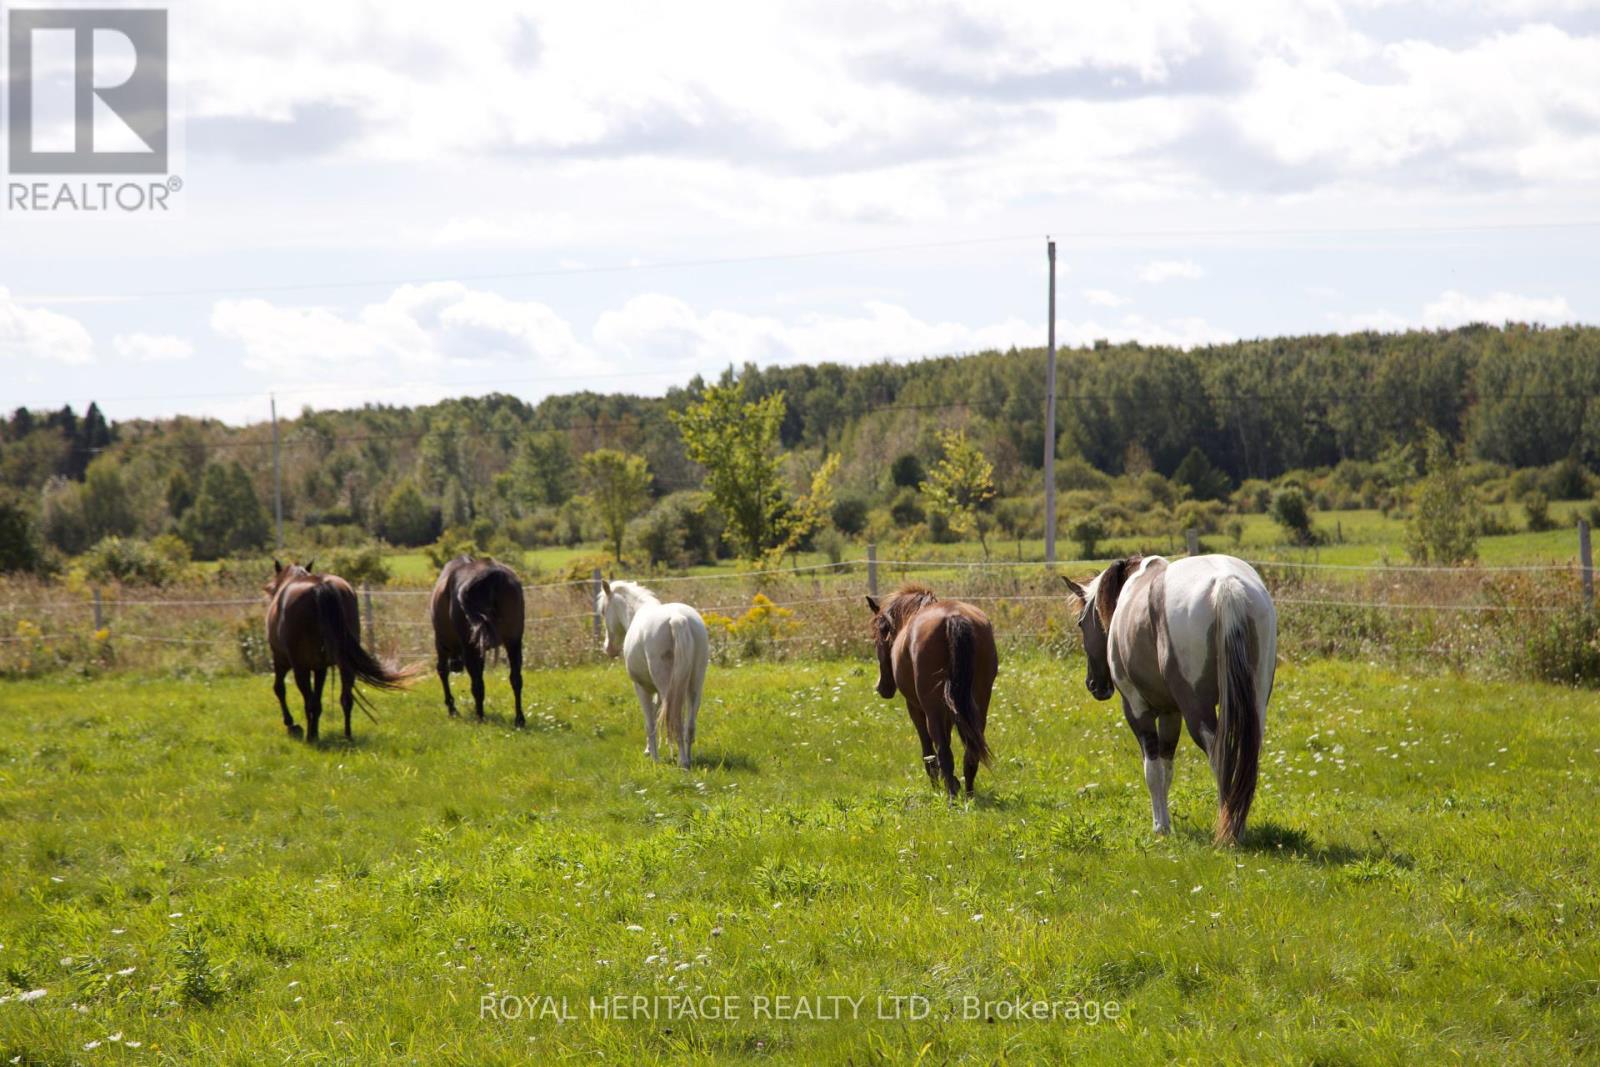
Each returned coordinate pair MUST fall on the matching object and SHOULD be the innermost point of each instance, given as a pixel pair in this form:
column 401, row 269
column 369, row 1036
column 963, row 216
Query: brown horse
column 477, row 606
column 313, row 624
column 941, row 655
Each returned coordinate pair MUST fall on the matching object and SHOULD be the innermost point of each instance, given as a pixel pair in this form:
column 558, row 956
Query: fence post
column 872, row 569
column 595, row 589
column 100, row 615
column 372, row 627
column 1586, row 562
column 1192, row 537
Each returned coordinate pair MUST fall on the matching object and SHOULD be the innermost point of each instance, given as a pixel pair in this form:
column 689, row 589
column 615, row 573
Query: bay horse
column 312, row 625
column 665, row 648
column 1192, row 642
column 477, row 606
column 941, row 655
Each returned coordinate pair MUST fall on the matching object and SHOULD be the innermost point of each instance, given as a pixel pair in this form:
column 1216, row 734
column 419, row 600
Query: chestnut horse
column 941, row 655
column 477, row 606
column 313, row 624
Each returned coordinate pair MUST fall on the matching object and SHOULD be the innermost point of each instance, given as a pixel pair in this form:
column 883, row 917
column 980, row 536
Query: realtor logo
column 87, row 91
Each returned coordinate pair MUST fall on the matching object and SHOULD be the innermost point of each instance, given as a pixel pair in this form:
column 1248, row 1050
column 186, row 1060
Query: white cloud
column 1162, row 270
column 152, row 348
column 1457, row 309
column 34, row 334
column 1104, row 298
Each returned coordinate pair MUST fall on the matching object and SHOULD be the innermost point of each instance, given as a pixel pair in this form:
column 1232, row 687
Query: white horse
column 1196, row 641
column 666, row 648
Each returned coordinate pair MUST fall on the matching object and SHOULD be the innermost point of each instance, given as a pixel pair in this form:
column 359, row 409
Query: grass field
column 186, row 885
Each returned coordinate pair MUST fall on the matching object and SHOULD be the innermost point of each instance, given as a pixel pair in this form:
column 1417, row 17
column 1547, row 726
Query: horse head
column 282, row 574
column 1097, row 603
column 883, row 639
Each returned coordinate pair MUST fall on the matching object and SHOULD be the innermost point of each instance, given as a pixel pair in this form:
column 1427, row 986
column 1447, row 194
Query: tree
column 1443, row 527
column 961, row 485
column 906, row 471
column 107, row 510
column 736, row 442
column 1203, row 480
column 542, row 472
column 1088, row 530
column 407, row 519
column 227, row 516
column 20, row 550
column 618, row 485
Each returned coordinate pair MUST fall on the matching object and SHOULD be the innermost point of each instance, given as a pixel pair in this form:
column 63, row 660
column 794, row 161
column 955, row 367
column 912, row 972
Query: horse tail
column 479, row 601
column 960, row 636
column 676, row 697
column 343, row 648
column 1238, row 744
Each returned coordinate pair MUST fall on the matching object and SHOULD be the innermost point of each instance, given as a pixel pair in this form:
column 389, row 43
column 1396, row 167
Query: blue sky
column 392, row 202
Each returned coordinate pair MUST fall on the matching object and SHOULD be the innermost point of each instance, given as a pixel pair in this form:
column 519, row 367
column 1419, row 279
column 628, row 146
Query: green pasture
column 185, row 884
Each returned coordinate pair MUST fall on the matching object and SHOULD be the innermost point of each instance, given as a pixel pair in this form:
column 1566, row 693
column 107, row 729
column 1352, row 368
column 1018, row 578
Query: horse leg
column 318, row 677
column 929, row 760
column 648, row 705
column 1158, row 741
column 969, row 760
column 1202, row 722
column 280, row 667
column 475, row 672
column 347, row 699
column 514, row 661
column 302, row 682
column 442, row 665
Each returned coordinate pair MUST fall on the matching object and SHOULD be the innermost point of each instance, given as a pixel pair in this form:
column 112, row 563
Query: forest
column 1148, row 437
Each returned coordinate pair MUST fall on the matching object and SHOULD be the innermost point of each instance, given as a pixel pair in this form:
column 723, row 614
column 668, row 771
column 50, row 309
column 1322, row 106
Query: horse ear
column 311, row 567
column 873, row 604
column 605, row 587
column 277, row 568
column 1077, row 590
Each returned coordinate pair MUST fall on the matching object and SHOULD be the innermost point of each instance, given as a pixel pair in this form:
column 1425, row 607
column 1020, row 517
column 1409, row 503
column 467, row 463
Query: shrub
column 1565, row 648
column 128, row 561
column 1444, row 522
column 849, row 515
column 407, row 520
column 1536, row 506
column 363, row 565
column 1079, row 473
column 1088, row 531
column 682, row 530
column 20, row 548
column 1291, row 511
column 1253, row 497
column 907, row 471
column 906, row 508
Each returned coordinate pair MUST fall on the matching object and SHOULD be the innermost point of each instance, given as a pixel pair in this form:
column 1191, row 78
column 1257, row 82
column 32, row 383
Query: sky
column 393, row 202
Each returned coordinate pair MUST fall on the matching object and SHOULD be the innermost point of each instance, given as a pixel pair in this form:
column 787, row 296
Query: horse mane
column 906, row 602
column 632, row 591
column 1109, row 586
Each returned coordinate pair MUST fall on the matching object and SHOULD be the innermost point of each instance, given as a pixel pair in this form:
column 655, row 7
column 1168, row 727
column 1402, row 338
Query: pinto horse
column 665, row 648
column 312, row 625
column 941, row 655
column 1192, row 642
column 477, row 606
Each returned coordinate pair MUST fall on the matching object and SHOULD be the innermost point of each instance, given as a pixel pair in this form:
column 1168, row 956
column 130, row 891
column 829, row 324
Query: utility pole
column 277, row 473
column 1050, row 421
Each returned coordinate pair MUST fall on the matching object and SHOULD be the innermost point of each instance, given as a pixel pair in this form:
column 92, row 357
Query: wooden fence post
column 99, row 612
column 1586, row 563
column 595, row 589
column 872, row 569
column 1191, row 537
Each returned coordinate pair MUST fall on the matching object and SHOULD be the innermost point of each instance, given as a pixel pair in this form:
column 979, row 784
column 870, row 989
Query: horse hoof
column 295, row 731
column 521, row 722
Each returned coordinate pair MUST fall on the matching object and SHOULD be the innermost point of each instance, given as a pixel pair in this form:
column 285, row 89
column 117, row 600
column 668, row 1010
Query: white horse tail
column 1238, row 743
column 674, row 700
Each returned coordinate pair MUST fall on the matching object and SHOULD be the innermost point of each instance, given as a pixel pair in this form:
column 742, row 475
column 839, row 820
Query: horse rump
column 961, row 638
column 1238, row 741
column 480, row 598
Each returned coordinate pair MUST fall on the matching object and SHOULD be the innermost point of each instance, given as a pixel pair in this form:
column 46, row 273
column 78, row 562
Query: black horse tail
column 1238, row 742
column 343, row 648
column 479, row 599
column 958, row 634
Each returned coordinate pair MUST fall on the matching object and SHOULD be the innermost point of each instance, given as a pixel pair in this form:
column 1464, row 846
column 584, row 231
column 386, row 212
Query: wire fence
column 816, row 609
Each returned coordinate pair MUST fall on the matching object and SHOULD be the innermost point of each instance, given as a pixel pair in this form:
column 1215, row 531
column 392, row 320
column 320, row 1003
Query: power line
column 1247, row 233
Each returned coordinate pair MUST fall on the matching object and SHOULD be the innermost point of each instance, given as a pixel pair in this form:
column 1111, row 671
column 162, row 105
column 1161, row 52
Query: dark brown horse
column 941, row 655
column 477, row 606
column 313, row 624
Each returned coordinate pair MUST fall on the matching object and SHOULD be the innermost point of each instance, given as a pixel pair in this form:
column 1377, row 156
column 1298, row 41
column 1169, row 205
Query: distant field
column 1352, row 537
column 1418, row 885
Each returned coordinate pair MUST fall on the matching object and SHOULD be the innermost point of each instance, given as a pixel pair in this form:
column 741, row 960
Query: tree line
column 767, row 459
